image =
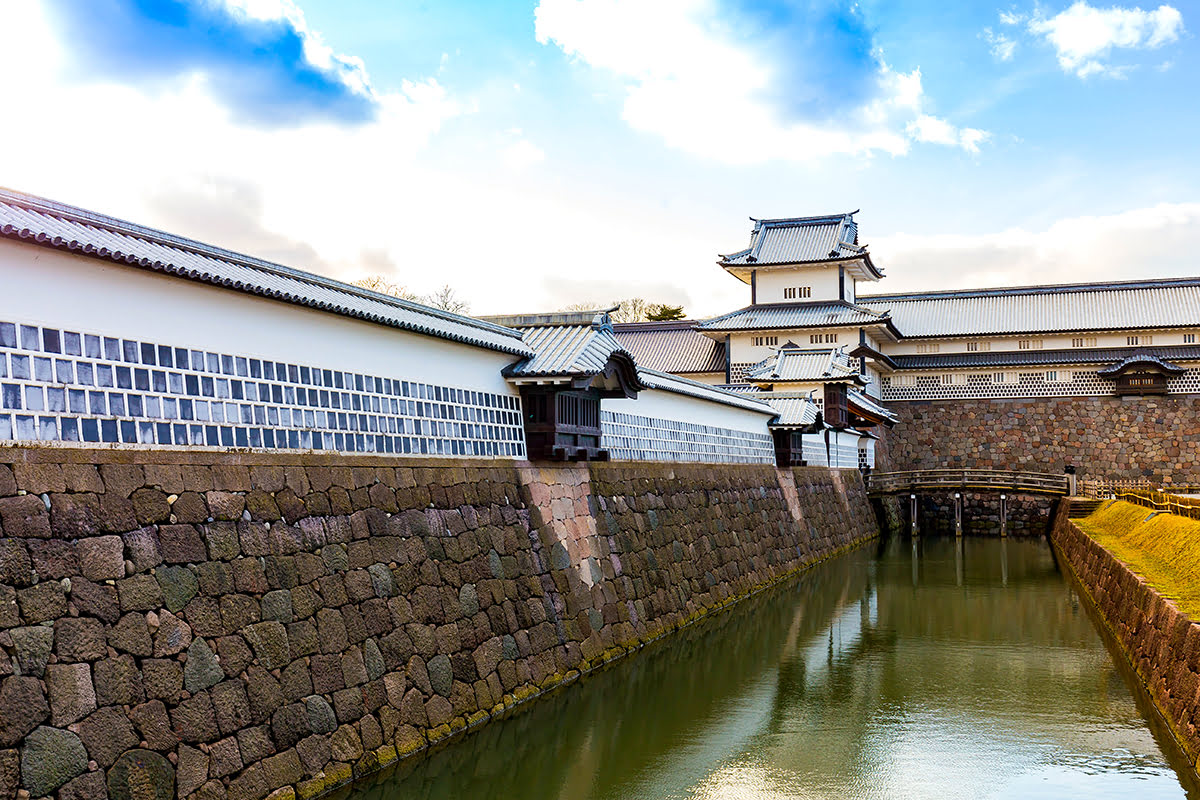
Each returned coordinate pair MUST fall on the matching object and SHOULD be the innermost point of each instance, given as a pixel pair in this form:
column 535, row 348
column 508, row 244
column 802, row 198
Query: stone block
column 296, row 681
column 142, row 548
column 43, row 602
column 72, row 696
column 255, row 743
column 33, row 646
column 22, row 708
column 88, row 786
column 16, row 567
column 181, row 544
column 24, row 517
column 289, row 725
column 283, row 769
column 201, row 669
column 264, row 693
column 348, row 705
column 131, row 635
column 122, row 479
column 232, row 705
column 238, row 611
column 163, row 679
column 150, row 506
column 190, row 508
column 96, row 600
column 51, row 558
column 118, row 682
column 107, row 733
column 191, row 769
column 81, row 638
column 277, row 606
column 269, row 642
column 225, row 757
column 102, row 558
column 142, row 775
column 154, row 725
column 221, row 539
column 235, row 655
column 194, row 720
column 139, row 593
column 172, row 637
column 50, row 757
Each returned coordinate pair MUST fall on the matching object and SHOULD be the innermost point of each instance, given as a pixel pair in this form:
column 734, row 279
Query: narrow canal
column 928, row 670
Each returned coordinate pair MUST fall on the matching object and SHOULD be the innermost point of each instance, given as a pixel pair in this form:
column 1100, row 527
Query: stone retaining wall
column 1160, row 641
column 227, row 626
column 1027, row 514
column 1104, row 437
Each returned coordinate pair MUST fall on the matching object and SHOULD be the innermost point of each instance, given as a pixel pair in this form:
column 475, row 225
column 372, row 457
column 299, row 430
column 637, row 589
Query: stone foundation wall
column 1027, row 514
column 1104, row 437
column 226, row 626
column 1161, row 642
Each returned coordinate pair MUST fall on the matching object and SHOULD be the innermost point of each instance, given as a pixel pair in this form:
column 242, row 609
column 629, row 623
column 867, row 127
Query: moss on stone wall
column 1162, row 548
column 1159, row 639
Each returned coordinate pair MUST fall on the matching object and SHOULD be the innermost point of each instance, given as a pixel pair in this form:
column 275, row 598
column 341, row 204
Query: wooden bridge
column 975, row 480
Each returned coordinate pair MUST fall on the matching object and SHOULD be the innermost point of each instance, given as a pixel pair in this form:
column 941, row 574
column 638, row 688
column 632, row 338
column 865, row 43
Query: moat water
column 912, row 669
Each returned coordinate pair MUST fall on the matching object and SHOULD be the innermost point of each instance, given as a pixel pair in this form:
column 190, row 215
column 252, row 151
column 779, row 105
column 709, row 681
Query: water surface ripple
column 916, row 669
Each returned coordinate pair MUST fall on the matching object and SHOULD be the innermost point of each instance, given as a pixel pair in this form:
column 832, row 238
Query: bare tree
column 448, row 300
column 380, row 284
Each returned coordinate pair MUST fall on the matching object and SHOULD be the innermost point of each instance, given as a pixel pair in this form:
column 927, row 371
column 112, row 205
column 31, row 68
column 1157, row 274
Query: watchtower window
column 796, row 292
column 766, row 341
column 1029, row 344
column 1189, row 338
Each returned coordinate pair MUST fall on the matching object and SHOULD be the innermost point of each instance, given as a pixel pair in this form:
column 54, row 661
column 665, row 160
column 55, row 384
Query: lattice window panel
column 737, row 372
column 68, row 386
column 631, row 437
column 1082, row 384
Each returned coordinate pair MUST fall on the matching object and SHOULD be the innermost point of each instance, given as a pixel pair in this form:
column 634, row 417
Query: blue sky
column 534, row 154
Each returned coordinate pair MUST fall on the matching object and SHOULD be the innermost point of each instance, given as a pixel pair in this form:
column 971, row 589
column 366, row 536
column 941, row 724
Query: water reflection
column 929, row 669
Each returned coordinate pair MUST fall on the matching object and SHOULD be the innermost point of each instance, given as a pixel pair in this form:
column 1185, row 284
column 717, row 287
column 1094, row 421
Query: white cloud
column 522, row 154
column 690, row 83
column 931, row 129
column 1084, row 36
column 1011, row 17
column 1002, row 46
column 1158, row 241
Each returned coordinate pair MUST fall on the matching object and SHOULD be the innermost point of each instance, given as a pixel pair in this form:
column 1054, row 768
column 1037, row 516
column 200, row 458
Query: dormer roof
column 800, row 241
column 794, row 316
column 792, row 363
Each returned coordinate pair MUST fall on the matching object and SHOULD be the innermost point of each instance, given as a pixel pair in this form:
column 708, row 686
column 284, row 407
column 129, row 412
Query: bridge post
column 958, row 514
column 1003, row 515
column 912, row 512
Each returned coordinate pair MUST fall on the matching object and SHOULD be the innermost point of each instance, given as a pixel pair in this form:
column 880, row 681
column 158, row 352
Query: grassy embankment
column 1163, row 548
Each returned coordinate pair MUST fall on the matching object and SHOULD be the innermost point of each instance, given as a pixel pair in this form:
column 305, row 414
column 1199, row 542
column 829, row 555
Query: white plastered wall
column 661, row 404
column 77, row 293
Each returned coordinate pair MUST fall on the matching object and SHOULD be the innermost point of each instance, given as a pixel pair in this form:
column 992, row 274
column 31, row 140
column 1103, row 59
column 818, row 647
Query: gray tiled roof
column 50, row 224
column 790, row 363
column 671, row 346
column 562, row 350
column 1142, row 358
column 797, row 240
column 674, row 383
column 783, row 316
column 794, row 411
column 1135, row 305
column 868, row 403
column 1021, row 358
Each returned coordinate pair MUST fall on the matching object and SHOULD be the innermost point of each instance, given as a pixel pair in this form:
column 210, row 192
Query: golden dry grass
column 1163, row 548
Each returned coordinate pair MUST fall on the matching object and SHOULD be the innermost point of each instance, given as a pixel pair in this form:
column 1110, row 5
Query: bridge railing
column 894, row 482
column 1162, row 501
